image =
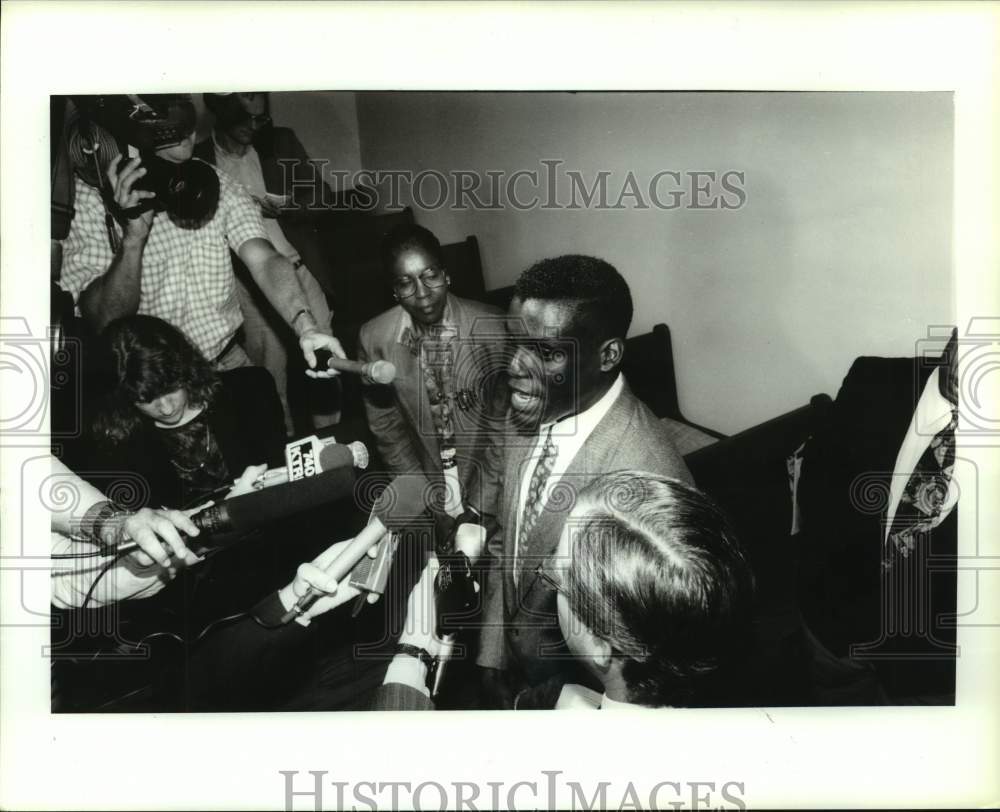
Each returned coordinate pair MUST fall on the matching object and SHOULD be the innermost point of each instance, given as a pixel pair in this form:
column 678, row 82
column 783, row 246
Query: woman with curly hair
column 185, row 429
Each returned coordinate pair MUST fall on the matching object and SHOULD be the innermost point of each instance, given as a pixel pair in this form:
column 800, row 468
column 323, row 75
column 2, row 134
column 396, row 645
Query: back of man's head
column 598, row 294
column 657, row 573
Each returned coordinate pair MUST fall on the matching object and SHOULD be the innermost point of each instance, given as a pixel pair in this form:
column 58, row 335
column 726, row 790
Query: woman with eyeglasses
column 442, row 412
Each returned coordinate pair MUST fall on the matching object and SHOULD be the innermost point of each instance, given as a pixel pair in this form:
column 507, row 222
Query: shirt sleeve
column 242, row 220
column 87, row 252
column 72, row 578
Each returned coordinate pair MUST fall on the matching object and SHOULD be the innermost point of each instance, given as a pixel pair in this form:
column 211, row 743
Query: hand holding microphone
column 249, row 511
column 383, row 372
column 314, row 577
column 313, row 343
column 154, row 536
column 403, row 501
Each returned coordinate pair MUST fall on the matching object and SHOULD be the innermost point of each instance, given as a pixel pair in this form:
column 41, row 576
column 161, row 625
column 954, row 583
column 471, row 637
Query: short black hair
column 405, row 237
column 657, row 572
column 598, row 294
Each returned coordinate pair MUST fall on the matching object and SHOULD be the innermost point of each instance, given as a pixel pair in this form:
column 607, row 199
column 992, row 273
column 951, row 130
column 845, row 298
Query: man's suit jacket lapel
column 592, row 460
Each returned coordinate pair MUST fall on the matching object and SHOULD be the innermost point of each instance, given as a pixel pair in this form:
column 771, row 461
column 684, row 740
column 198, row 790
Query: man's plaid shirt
column 187, row 275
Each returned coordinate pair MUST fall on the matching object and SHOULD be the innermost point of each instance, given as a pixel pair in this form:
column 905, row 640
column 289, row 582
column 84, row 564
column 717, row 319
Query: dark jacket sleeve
column 843, row 492
column 228, row 656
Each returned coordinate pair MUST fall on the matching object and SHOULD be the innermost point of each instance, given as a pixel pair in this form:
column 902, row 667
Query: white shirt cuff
column 406, row 670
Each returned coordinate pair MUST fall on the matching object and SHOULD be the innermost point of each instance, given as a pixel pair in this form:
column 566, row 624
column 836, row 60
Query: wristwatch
column 102, row 520
column 431, row 663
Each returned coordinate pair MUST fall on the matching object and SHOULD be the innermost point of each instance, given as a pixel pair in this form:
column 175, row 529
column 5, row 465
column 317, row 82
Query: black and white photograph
column 503, row 399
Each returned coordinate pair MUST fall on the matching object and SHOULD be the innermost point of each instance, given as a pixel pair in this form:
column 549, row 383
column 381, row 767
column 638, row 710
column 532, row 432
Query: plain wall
column 326, row 123
column 843, row 246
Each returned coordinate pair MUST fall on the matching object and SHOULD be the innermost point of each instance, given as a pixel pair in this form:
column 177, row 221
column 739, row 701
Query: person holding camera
column 135, row 249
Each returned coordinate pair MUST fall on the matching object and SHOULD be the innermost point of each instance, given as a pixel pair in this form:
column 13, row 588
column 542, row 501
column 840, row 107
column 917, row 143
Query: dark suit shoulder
column 879, row 395
column 876, row 375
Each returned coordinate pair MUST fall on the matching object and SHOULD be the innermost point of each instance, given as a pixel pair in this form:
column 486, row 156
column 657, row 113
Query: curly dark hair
column 149, row 358
column 658, row 573
column 598, row 294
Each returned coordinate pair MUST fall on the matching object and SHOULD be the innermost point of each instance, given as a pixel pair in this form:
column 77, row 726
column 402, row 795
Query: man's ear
column 600, row 652
column 612, row 351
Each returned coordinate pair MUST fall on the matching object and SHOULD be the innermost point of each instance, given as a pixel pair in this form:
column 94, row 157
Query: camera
column 187, row 191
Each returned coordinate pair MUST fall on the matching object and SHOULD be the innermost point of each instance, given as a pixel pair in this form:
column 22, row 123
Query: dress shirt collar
column 583, row 423
column 932, row 414
column 933, row 410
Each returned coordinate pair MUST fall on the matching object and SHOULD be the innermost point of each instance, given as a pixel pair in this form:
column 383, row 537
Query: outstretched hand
column 314, row 340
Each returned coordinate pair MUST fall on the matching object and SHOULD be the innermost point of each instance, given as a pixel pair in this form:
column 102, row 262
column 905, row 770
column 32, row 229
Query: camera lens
column 188, row 192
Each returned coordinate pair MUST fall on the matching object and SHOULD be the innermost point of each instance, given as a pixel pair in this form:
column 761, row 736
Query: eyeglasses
column 431, row 279
column 548, row 576
column 259, row 121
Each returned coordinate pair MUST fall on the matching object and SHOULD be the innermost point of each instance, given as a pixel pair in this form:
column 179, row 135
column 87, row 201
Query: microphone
column 455, row 588
column 383, row 372
column 251, row 510
column 310, row 456
column 401, row 502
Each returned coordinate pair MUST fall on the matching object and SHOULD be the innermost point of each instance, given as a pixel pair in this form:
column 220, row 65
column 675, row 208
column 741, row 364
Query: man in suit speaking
column 572, row 418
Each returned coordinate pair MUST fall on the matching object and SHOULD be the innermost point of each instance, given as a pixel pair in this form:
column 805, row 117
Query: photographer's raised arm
column 116, row 292
column 276, row 277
